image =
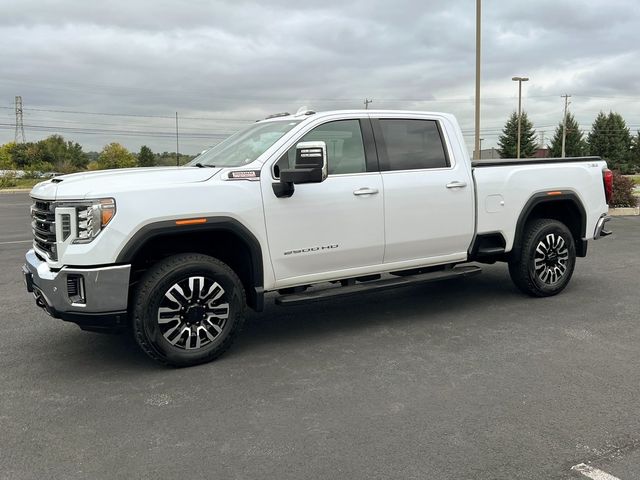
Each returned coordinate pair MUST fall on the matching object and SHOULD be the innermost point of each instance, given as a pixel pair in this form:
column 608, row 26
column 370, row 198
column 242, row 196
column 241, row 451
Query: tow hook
column 39, row 301
column 42, row 303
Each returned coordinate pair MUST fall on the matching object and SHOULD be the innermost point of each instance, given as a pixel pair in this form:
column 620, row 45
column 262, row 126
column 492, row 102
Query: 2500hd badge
column 310, row 249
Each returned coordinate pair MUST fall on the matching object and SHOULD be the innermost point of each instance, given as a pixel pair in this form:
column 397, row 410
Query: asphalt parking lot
column 467, row 379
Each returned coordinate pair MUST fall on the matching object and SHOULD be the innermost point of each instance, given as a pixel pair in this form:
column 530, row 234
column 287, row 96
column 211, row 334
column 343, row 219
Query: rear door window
column 412, row 144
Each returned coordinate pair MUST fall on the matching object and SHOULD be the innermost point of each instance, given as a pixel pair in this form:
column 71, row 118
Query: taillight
column 607, row 178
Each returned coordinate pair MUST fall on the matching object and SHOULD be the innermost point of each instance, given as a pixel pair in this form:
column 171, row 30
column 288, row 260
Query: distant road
column 14, row 218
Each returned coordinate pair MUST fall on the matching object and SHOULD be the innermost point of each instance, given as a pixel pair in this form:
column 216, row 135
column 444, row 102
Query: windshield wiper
column 199, row 165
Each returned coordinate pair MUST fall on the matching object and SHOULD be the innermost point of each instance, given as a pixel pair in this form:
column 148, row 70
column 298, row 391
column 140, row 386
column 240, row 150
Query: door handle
column 456, row 184
column 365, row 191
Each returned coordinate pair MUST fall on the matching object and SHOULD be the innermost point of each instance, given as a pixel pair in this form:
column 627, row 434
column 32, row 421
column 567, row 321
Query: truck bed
column 504, row 186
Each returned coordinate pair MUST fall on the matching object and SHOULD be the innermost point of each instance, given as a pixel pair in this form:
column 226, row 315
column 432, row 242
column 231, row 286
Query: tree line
column 609, row 138
column 55, row 154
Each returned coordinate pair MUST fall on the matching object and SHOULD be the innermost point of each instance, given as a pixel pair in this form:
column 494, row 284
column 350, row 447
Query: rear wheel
column 188, row 310
column 543, row 263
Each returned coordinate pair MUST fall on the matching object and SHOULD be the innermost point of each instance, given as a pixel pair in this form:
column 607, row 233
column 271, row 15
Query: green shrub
column 627, row 168
column 8, row 180
column 115, row 155
column 623, row 191
column 36, row 169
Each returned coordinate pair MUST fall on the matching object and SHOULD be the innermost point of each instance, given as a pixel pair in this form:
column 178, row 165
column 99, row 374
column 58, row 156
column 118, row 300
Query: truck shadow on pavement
column 409, row 308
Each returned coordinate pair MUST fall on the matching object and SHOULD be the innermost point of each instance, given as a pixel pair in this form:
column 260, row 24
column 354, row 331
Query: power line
column 192, row 132
column 128, row 133
column 231, row 119
column 207, row 136
column 136, row 115
column 142, row 123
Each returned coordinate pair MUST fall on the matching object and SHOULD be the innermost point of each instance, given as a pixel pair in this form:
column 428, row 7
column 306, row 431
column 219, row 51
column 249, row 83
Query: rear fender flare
column 545, row 198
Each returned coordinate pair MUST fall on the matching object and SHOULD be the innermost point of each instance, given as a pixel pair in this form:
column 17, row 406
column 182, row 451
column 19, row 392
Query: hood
column 108, row 182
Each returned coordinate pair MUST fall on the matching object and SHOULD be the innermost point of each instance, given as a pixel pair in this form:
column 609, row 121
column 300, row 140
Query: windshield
column 245, row 146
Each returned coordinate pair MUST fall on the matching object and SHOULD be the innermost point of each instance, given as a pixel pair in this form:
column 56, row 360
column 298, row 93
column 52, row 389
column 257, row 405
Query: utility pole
column 542, row 132
column 519, row 80
column 564, row 122
column 19, row 138
column 366, row 103
column 478, row 50
column 479, row 156
column 177, row 145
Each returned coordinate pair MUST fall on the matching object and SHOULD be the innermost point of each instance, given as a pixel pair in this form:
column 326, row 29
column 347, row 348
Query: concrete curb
column 15, row 190
column 624, row 211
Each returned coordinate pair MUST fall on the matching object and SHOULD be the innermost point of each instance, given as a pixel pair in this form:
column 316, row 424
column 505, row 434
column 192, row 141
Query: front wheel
column 543, row 263
column 188, row 309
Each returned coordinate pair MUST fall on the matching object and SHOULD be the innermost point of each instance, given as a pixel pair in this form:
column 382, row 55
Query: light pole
column 480, row 152
column 478, row 50
column 564, row 123
column 519, row 80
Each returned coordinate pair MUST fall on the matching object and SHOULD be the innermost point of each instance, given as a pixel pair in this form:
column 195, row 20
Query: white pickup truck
column 311, row 206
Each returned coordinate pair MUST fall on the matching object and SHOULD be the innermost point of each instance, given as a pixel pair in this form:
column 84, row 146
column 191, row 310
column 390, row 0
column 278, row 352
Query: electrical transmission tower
column 20, row 138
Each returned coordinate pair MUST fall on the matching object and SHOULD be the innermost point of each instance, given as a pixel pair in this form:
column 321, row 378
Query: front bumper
column 102, row 305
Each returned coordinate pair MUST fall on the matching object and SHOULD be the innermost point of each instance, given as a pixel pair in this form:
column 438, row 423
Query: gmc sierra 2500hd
column 366, row 200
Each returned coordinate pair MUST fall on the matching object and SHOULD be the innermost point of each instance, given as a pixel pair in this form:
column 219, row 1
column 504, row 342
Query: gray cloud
column 240, row 60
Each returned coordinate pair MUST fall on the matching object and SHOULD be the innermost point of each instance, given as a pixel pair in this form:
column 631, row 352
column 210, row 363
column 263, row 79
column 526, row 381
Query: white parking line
column 592, row 472
column 16, row 241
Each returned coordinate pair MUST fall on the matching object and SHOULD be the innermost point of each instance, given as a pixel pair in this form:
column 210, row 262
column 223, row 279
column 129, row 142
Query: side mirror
column 310, row 167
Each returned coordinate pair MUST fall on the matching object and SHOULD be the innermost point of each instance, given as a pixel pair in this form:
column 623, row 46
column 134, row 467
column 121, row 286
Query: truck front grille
column 43, row 225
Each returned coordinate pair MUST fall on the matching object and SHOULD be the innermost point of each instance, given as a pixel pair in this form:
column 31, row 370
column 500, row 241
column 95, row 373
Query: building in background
column 541, row 153
column 488, row 153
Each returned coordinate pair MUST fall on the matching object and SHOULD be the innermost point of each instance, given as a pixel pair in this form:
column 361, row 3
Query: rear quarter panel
column 503, row 191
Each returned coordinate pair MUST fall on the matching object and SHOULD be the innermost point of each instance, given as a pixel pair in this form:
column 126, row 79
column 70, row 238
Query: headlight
column 92, row 217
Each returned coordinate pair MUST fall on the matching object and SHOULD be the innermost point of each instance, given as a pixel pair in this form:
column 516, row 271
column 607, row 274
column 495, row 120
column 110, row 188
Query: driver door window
column 345, row 148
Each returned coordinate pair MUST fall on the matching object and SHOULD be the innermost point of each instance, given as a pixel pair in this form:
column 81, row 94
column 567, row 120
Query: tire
column 542, row 264
column 188, row 310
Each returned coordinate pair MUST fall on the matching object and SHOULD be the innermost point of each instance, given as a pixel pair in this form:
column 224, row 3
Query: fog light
column 75, row 289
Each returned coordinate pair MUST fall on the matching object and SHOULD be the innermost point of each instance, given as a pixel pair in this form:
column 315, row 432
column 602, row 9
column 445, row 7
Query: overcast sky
column 222, row 63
